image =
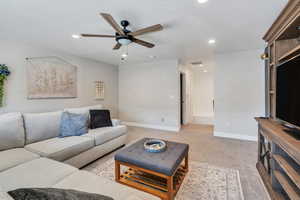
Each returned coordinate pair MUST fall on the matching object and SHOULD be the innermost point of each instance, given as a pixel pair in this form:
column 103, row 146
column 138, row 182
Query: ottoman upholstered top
column 164, row 162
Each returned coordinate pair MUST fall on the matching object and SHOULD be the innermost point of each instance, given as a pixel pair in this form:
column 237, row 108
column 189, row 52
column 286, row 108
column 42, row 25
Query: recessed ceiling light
column 124, row 55
column 202, row 1
column 211, row 41
column 76, row 36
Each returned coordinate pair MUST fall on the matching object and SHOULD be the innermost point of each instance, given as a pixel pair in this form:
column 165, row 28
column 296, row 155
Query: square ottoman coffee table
column 160, row 174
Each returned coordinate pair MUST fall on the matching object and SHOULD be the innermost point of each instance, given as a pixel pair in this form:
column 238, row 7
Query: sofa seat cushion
column 61, row 149
column 13, row 157
column 41, row 172
column 105, row 134
column 88, row 182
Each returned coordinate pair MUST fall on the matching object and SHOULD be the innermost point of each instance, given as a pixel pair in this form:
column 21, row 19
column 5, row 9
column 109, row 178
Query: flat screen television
column 288, row 93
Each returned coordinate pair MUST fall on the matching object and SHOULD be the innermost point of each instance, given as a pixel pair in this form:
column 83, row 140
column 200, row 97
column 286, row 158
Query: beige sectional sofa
column 32, row 155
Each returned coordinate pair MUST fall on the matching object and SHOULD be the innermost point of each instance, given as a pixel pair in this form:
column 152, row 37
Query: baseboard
column 235, row 136
column 165, row 128
column 205, row 119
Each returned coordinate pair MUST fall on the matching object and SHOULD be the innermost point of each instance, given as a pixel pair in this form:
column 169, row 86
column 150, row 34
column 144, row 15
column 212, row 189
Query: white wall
column 149, row 94
column 239, row 94
column 13, row 54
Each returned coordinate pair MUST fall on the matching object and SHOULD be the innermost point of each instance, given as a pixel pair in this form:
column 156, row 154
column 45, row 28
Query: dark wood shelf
column 287, row 186
column 267, row 182
column 284, row 156
column 290, row 171
column 290, row 54
column 275, row 133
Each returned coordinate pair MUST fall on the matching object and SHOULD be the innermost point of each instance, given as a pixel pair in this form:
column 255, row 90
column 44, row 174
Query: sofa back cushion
column 84, row 110
column 12, row 133
column 42, row 126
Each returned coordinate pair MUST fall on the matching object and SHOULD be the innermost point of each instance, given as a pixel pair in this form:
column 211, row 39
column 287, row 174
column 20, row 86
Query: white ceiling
column 235, row 24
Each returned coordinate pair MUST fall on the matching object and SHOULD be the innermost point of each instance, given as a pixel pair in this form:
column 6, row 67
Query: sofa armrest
column 116, row 122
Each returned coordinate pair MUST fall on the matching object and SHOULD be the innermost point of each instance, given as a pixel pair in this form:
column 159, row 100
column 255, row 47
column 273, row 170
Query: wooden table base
column 161, row 185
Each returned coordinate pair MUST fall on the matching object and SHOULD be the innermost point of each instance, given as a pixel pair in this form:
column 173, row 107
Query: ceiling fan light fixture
column 124, row 41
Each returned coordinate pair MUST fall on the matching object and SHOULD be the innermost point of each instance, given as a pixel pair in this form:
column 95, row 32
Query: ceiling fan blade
column 95, row 35
column 143, row 43
column 117, row 46
column 149, row 29
column 112, row 22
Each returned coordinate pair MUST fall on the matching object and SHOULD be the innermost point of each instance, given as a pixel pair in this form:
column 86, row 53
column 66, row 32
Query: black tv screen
column 288, row 92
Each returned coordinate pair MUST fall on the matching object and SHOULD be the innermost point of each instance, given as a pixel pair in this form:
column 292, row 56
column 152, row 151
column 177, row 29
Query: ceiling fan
column 124, row 36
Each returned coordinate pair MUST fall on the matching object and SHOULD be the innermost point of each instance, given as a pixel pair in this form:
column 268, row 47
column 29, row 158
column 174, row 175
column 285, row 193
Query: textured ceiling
column 235, row 24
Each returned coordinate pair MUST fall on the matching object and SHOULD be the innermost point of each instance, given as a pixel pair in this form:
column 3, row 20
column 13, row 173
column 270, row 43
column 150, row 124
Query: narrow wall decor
column 4, row 73
column 99, row 90
column 51, row 77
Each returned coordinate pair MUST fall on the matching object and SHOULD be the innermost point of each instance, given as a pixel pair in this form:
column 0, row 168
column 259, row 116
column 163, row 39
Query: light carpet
column 203, row 182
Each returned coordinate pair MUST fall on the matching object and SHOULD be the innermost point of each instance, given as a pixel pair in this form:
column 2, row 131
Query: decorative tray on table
column 155, row 145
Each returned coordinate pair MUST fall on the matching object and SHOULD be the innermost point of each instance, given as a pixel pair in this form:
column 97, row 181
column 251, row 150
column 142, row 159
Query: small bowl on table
column 155, row 145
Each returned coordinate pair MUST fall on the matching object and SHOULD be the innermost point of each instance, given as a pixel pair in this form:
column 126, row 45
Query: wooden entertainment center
column 279, row 152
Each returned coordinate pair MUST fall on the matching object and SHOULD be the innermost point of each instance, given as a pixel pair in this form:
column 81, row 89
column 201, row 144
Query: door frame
column 183, row 99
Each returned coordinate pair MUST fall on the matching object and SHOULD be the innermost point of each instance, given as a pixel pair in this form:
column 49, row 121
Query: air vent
column 197, row 63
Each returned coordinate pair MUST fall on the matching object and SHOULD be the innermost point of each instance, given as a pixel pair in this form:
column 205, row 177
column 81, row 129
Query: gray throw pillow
column 100, row 118
column 54, row 194
column 73, row 124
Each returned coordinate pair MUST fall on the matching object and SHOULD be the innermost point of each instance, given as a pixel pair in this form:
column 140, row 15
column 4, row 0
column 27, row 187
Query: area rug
column 203, row 182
